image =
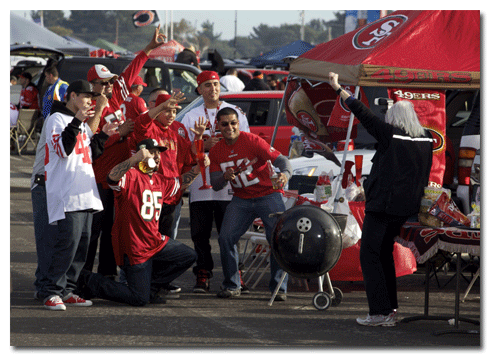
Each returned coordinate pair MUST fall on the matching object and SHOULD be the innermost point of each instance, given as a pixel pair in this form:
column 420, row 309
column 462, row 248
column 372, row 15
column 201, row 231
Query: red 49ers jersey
column 133, row 106
column 138, row 202
column 116, row 148
column 254, row 181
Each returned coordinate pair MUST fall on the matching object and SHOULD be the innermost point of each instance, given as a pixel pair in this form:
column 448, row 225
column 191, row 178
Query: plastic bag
column 354, row 192
column 431, row 194
column 446, row 210
column 352, row 232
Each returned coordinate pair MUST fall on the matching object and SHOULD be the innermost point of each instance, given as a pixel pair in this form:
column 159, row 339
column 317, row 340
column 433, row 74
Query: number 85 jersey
column 138, row 203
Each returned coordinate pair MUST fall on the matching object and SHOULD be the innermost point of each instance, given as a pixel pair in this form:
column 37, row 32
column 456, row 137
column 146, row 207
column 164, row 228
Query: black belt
column 39, row 179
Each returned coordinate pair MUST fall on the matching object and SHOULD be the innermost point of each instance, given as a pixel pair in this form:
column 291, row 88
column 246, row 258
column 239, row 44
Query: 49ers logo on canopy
column 369, row 36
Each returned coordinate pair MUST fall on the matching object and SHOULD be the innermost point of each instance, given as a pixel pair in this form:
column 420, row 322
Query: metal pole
column 279, row 112
column 171, row 24
column 344, row 156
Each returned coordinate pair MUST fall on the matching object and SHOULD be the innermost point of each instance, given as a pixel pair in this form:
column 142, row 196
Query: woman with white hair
column 394, row 188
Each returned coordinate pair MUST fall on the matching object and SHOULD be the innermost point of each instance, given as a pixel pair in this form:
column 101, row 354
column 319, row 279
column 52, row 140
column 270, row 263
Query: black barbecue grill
column 307, row 243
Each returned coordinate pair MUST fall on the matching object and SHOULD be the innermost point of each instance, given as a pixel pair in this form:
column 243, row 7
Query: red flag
column 430, row 106
column 308, row 107
column 340, row 116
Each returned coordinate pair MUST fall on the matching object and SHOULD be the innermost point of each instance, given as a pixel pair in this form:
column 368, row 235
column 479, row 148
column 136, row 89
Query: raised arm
column 120, row 170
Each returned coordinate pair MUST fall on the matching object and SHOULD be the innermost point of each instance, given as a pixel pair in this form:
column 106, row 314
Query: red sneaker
column 54, row 302
column 77, row 301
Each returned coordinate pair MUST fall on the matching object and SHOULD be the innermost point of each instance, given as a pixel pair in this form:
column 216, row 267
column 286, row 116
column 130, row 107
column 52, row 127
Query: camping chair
column 25, row 130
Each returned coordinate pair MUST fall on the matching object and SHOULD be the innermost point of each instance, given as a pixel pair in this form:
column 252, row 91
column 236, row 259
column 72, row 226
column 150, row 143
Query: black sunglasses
column 110, row 81
column 224, row 124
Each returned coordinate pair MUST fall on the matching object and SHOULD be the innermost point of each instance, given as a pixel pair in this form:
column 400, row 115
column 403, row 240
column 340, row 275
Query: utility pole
column 171, row 24
column 302, row 30
column 236, row 23
column 117, row 32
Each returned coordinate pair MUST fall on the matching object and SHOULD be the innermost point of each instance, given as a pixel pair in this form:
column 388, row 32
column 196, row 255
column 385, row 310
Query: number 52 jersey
column 138, row 203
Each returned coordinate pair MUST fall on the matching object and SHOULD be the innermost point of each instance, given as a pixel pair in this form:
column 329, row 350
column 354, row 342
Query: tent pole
column 344, row 156
column 279, row 112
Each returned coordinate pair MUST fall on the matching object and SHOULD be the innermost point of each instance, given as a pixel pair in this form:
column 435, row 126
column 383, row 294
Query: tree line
column 116, row 26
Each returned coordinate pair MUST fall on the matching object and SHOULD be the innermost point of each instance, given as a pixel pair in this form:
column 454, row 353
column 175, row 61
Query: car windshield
column 194, row 104
column 183, row 80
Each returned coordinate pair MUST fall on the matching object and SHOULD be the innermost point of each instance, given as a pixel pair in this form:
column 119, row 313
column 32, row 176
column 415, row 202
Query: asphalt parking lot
column 204, row 322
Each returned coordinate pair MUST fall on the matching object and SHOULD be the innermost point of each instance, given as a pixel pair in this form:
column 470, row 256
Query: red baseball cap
column 162, row 98
column 101, row 72
column 206, row 75
column 139, row 81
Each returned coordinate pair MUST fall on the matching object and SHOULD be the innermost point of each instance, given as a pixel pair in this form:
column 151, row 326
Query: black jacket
column 401, row 165
column 70, row 133
column 256, row 84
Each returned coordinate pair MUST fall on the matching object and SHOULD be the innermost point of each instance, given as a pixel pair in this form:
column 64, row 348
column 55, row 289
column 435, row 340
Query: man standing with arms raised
column 116, row 150
column 206, row 205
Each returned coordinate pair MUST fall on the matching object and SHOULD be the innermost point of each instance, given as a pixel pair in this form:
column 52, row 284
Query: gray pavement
column 204, row 322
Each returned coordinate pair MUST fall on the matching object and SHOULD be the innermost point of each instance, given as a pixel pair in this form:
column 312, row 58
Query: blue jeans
column 239, row 215
column 145, row 279
column 43, row 233
column 69, row 248
column 176, row 221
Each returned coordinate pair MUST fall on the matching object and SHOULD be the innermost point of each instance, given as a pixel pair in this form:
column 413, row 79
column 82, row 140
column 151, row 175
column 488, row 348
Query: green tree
column 51, row 18
column 208, row 31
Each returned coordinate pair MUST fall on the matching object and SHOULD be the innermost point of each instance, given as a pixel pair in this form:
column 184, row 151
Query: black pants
column 166, row 220
column 378, row 267
column 143, row 279
column 102, row 237
column 202, row 214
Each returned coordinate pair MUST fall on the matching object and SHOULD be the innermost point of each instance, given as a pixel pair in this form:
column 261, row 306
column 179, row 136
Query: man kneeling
column 150, row 261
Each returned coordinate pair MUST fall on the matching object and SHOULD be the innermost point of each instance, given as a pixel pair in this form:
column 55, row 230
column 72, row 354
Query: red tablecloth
column 424, row 241
column 348, row 268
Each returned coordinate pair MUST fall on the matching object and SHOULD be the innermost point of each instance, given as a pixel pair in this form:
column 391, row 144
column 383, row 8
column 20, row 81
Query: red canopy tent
column 420, row 49
column 406, row 49
column 167, row 51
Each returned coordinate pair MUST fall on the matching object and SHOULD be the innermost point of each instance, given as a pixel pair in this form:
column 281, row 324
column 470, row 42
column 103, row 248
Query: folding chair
column 260, row 254
column 25, row 130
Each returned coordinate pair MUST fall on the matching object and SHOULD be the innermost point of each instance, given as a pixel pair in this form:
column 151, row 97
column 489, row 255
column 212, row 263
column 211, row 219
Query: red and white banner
column 314, row 110
column 430, row 106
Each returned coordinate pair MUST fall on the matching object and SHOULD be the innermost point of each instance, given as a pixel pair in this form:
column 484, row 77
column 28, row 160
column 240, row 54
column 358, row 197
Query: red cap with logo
column 206, row 75
column 101, row 72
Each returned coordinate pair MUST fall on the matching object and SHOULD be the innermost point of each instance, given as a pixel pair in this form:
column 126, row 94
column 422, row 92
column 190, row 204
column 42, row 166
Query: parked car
column 30, row 59
column 261, row 108
column 156, row 73
column 317, row 164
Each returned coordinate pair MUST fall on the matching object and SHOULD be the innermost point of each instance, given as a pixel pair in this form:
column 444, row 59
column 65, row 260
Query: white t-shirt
column 189, row 119
column 70, row 179
column 232, row 83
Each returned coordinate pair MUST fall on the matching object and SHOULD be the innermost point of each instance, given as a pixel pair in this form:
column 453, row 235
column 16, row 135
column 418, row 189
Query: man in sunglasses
column 245, row 161
column 207, row 205
column 116, row 89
